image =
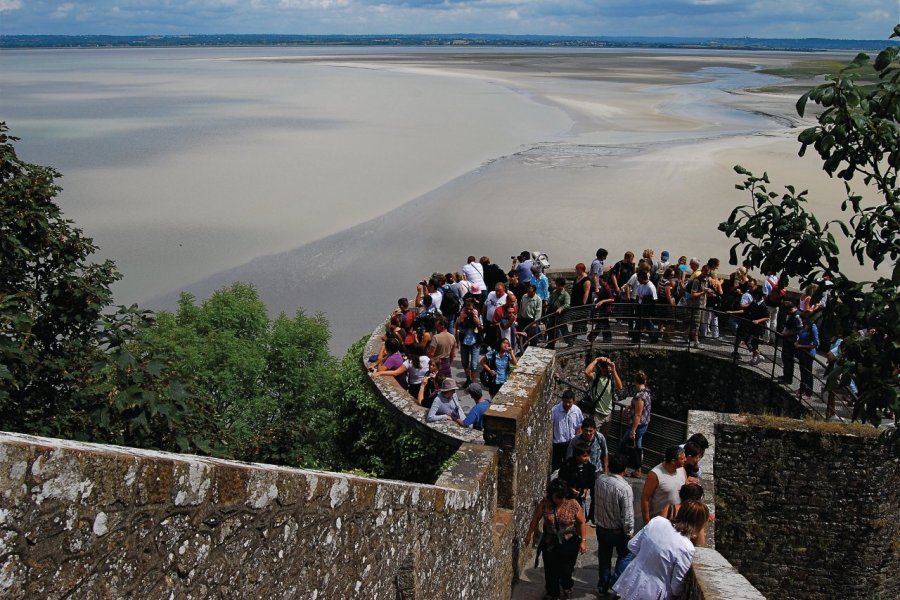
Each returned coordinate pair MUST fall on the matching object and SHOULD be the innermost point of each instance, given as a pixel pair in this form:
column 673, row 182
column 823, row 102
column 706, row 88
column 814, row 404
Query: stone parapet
column 400, row 401
column 86, row 520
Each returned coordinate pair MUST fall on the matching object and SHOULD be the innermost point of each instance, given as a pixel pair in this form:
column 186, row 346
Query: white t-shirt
column 474, row 273
column 415, row 373
column 645, row 289
column 492, row 303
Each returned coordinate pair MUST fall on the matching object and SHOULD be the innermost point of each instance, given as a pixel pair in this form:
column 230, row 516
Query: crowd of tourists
column 485, row 316
column 590, row 488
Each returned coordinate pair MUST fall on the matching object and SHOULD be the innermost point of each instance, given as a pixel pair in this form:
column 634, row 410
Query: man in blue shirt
column 567, row 420
column 475, row 418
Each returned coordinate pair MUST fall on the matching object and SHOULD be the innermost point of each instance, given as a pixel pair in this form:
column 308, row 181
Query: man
column 605, row 381
column 446, row 406
column 793, row 325
column 493, row 274
column 475, row 418
column 697, row 291
column 541, row 285
column 692, row 456
column 663, row 263
column 431, row 287
column 621, row 272
column 556, row 306
column 442, row 349
column 597, row 269
column 702, row 444
column 530, row 307
column 522, row 266
column 567, row 420
column 515, row 284
column 663, row 483
column 495, row 299
column 596, row 443
column 579, row 473
column 614, row 517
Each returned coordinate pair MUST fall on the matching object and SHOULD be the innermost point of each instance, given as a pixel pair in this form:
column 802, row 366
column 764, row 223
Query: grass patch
column 810, row 69
column 811, row 424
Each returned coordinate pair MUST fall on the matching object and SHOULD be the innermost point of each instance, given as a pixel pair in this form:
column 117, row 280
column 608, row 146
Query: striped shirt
column 614, row 503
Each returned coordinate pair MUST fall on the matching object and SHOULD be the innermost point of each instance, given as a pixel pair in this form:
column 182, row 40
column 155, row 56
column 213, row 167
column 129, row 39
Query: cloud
column 870, row 19
column 10, row 5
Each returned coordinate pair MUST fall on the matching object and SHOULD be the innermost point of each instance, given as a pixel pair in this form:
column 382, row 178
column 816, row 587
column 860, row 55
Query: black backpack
column 449, row 302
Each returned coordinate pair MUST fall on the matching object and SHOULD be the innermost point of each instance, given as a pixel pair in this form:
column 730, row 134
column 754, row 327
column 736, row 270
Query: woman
column 497, row 364
column 638, row 415
column 805, row 350
column 581, row 293
column 468, row 336
column 668, row 300
column 663, row 552
column 565, row 535
column 418, row 365
column 393, row 363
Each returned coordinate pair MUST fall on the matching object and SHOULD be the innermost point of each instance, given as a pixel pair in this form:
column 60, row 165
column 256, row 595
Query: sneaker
column 695, row 345
column 754, row 360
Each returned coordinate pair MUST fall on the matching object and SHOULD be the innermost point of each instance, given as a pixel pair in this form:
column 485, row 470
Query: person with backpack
column 451, row 301
column 601, row 393
column 469, row 332
column 496, row 366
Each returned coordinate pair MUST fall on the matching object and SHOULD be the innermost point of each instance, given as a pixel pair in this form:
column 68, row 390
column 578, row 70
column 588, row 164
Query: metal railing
column 657, row 326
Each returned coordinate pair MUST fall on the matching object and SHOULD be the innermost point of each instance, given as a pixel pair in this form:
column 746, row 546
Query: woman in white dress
column 663, row 552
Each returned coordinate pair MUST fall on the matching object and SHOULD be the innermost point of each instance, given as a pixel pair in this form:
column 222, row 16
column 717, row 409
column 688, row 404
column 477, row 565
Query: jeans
column 607, row 541
column 469, row 356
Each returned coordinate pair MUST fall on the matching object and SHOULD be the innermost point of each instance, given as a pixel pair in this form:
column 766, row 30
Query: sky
column 846, row 19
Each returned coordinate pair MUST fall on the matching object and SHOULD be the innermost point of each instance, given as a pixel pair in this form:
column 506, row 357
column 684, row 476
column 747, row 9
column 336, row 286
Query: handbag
column 485, row 377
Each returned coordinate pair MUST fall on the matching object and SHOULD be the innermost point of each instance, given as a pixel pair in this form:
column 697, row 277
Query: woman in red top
column 564, row 537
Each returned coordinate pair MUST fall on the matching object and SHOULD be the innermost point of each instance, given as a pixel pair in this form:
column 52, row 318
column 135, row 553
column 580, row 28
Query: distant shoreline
column 438, row 40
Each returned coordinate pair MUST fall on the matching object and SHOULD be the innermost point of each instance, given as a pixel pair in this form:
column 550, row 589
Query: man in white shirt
column 567, row 419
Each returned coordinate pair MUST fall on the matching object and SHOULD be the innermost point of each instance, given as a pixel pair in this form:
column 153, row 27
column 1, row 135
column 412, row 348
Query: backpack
column 426, row 321
column 449, row 302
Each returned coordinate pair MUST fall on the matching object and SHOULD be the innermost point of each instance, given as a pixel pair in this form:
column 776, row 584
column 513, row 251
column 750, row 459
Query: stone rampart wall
column 683, row 380
column 804, row 513
column 84, row 520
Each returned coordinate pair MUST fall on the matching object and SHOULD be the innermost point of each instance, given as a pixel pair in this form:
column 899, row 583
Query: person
column 699, row 440
column 646, row 297
column 492, row 274
column 692, row 456
column 564, row 536
column 579, row 472
column 567, row 419
column 614, row 517
column 522, row 264
column 793, row 325
column 597, row 268
column 556, row 307
column 663, row 552
column 442, row 349
column 530, row 308
column 697, row 291
column 497, row 364
column 637, row 416
column 805, row 348
column 494, row 300
column 581, row 293
column 418, row 365
column 710, row 326
column 603, row 308
column 474, row 274
column 446, row 406
column 541, row 286
column 475, row 418
column 515, row 285
column 599, row 454
column 605, row 382
column 660, row 491
column 393, row 361
column 621, row 272
column 774, row 291
column 468, row 338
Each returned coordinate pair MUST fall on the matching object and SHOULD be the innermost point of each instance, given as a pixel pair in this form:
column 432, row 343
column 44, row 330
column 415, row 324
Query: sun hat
column 449, row 385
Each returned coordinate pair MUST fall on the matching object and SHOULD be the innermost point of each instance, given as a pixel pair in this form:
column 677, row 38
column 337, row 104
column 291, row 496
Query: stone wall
column 84, row 520
column 682, row 380
column 804, row 511
column 519, row 424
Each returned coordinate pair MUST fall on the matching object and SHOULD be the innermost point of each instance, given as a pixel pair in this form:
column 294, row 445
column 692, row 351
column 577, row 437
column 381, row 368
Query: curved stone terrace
column 579, row 332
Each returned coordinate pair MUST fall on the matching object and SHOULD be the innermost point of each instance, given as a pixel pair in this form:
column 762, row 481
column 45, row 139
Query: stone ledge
column 715, row 579
column 397, row 398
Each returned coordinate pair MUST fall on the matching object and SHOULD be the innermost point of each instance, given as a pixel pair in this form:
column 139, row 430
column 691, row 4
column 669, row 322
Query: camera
column 424, row 282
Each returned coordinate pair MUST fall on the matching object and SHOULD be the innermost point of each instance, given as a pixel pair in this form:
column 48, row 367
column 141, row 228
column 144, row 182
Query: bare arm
column 649, row 487
column 582, row 529
column 535, row 519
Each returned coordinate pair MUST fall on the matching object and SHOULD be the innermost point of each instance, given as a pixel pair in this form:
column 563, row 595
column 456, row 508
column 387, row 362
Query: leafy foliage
column 857, row 135
column 67, row 368
column 270, row 382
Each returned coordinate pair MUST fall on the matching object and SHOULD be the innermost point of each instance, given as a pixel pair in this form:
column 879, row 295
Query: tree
column 69, row 368
column 270, row 382
column 856, row 136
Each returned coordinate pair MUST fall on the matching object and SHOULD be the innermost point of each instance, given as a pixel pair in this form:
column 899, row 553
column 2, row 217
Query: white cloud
column 314, row 4
column 10, row 5
column 63, row 10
